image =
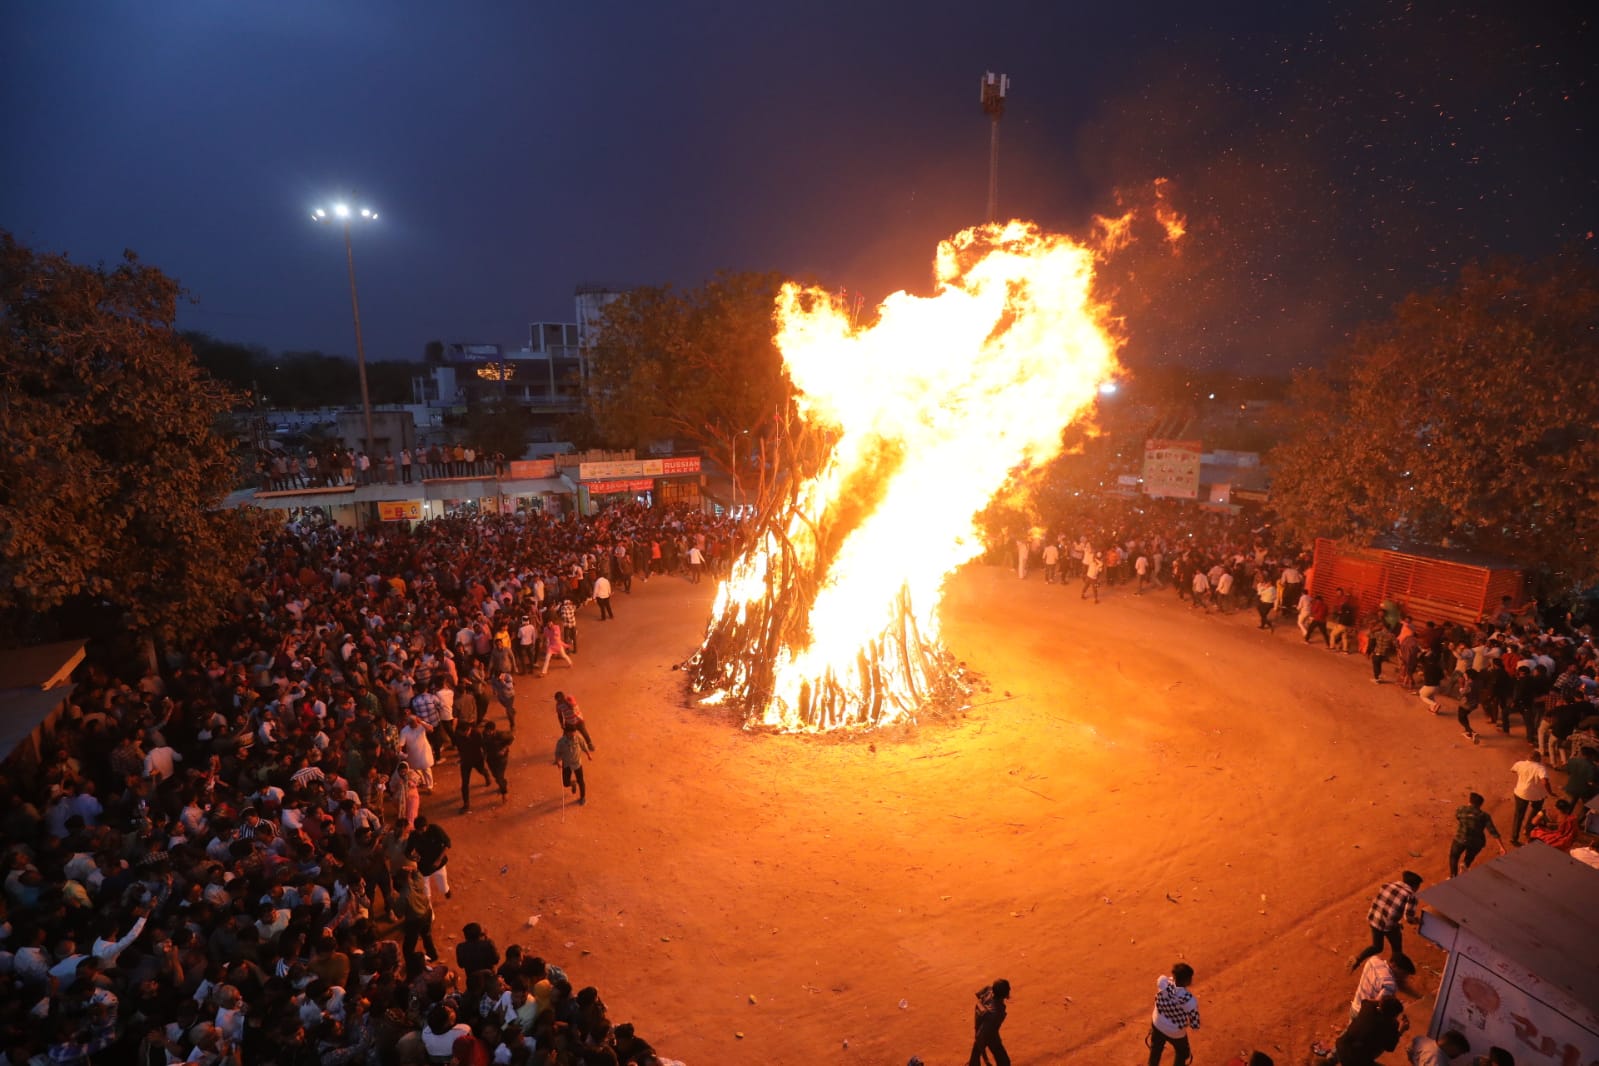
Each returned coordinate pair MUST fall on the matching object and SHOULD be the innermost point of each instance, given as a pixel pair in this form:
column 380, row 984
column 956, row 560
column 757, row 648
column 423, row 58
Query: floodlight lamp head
column 342, row 210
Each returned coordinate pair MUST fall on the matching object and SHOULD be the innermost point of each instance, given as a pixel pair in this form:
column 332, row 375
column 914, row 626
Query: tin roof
column 33, row 682
column 1533, row 906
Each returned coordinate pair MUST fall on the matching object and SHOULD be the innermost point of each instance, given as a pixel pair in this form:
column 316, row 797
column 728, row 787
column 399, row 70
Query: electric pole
column 994, row 88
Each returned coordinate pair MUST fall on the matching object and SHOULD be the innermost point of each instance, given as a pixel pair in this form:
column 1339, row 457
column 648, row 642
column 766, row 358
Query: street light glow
column 365, row 213
column 342, row 210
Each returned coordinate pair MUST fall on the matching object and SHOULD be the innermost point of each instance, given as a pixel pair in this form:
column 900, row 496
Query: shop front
column 677, row 482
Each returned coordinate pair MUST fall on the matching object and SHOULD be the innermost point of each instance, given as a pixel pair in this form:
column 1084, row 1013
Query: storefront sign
column 400, row 510
column 636, row 468
column 532, row 468
column 623, row 468
column 602, row 488
column 688, row 464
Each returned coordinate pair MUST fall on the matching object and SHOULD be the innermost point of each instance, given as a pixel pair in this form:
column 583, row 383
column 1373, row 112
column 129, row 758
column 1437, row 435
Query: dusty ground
column 1140, row 785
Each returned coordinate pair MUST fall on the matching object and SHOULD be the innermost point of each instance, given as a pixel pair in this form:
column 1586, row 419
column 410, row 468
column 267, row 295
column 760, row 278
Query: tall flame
column 934, row 407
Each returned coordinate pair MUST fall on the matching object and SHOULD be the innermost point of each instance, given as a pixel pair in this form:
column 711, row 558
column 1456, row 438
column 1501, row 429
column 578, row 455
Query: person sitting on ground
column 1559, row 832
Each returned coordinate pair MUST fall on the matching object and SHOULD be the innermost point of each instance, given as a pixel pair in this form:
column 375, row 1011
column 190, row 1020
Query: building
column 1523, row 969
column 34, row 685
column 528, row 485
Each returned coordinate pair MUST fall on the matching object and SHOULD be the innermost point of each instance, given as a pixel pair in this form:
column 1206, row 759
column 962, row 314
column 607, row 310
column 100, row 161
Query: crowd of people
column 318, row 466
column 222, row 857
column 1519, row 665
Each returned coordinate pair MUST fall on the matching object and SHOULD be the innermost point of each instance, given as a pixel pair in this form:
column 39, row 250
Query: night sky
column 1330, row 158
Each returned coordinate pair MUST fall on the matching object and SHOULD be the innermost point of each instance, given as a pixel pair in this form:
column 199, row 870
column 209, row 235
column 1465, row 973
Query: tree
column 500, row 425
column 697, row 366
column 112, row 474
column 1467, row 419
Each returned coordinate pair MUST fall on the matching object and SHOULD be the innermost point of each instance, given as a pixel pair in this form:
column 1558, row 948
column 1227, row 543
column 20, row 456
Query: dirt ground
column 1138, row 785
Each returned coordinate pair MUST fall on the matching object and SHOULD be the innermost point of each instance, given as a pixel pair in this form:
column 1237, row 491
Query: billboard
column 533, row 468
column 637, row 468
column 1171, row 468
column 602, row 488
column 400, row 510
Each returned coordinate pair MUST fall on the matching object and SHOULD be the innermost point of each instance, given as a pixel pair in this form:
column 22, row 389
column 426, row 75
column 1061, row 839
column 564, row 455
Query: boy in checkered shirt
column 1176, row 1012
column 1395, row 904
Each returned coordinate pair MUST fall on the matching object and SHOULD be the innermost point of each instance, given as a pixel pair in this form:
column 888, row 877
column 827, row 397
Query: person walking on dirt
column 568, row 613
column 570, row 717
column 1265, row 600
column 1093, row 569
column 497, row 756
column 505, row 696
column 469, row 744
column 1473, row 827
column 1532, row 788
column 429, row 845
column 416, row 915
column 1380, row 645
column 554, row 646
column 987, row 1017
column 1394, row 905
column 1176, row 1012
column 569, row 752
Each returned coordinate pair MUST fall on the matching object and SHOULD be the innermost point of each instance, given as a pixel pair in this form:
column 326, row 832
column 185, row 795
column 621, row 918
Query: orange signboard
column 533, row 468
column 400, row 510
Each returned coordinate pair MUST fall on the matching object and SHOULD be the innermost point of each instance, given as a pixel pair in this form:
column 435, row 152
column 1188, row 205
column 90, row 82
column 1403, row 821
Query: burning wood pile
column 830, row 619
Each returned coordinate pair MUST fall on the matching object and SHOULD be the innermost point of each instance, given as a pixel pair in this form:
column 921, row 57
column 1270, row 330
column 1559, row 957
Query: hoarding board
column 1171, row 468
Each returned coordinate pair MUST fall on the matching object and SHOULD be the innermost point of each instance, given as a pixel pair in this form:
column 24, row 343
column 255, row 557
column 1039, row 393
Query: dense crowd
column 221, row 858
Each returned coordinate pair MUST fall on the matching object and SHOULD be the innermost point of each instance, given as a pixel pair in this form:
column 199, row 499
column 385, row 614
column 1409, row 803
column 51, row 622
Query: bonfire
column 829, row 619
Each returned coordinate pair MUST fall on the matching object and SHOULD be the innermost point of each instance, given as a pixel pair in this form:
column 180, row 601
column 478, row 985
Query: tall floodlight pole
column 995, row 86
column 342, row 214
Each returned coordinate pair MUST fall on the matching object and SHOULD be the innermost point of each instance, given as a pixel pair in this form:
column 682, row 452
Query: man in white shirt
column 66, row 971
column 107, row 947
column 1532, row 788
column 159, row 763
column 602, row 592
column 1224, row 590
column 1445, row 1051
column 31, row 964
column 1379, row 978
column 527, row 635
